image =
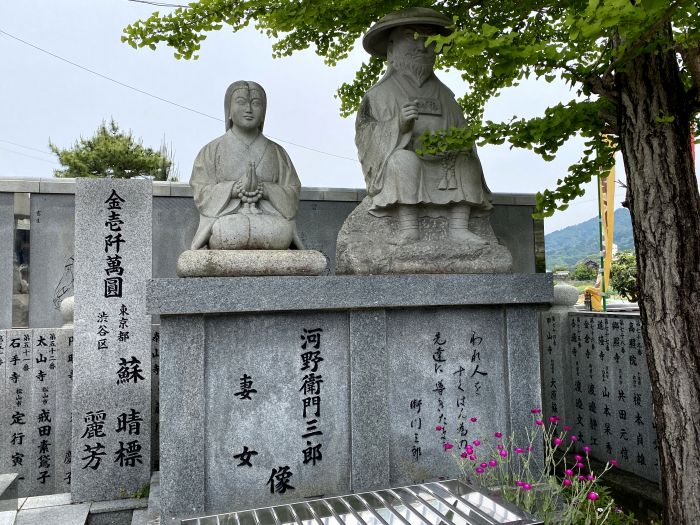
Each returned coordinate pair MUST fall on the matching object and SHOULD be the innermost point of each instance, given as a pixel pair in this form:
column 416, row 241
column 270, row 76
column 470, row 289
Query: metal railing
column 437, row 503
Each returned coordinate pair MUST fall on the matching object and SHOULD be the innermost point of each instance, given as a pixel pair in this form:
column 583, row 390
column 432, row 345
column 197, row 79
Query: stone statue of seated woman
column 247, row 193
column 245, row 186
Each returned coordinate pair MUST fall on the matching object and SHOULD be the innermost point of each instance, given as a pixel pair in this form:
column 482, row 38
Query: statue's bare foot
column 465, row 236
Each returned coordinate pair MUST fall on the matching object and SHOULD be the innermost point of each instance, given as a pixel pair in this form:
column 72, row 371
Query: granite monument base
column 368, row 245
column 278, row 389
column 235, row 263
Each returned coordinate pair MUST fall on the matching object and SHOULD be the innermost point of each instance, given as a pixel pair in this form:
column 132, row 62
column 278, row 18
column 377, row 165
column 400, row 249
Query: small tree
column 623, row 276
column 112, row 153
column 584, row 273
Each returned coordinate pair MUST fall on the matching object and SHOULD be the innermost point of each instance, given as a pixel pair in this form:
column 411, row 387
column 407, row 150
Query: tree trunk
column 665, row 208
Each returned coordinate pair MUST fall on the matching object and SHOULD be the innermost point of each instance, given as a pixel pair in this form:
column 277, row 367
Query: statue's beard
column 418, row 68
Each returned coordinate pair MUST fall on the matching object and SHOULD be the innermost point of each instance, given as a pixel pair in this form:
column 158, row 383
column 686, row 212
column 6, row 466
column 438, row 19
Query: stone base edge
column 250, row 263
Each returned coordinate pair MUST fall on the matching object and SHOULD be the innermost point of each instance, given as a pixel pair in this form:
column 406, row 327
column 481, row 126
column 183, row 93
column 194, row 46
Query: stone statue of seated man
column 408, row 101
column 423, row 213
column 245, row 186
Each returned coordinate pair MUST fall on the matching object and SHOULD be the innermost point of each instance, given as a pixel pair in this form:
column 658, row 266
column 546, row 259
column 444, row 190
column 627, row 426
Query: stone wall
column 595, row 377
column 321, row 214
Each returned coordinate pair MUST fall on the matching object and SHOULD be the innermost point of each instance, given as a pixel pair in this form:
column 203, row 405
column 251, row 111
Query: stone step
column 64, row 514
column 8, row 517
column 51, row 500
column 8, row 492
column 140, row 517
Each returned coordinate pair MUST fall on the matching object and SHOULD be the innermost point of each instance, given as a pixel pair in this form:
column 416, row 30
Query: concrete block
column 51, row 272
column 51, row 500
column 161, row 188
column 19, row 186
column 8, row 493
column 369, row 410
column 57, row 185
column 63, row 514
column 180, row 190
column 7, row 250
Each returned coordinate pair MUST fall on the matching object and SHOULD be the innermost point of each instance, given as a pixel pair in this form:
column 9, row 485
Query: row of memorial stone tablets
column 36, row 383
column 610, row 398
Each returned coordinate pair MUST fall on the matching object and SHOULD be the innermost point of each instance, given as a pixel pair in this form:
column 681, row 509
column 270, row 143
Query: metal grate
column 438, row 503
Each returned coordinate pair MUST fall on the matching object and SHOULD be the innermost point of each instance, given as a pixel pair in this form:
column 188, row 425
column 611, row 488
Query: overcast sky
column 43, row 97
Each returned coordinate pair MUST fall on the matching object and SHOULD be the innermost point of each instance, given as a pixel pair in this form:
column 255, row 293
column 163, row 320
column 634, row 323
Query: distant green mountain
column 568, row 246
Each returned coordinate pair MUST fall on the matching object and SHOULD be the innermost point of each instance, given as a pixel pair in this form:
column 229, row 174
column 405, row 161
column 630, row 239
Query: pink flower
column 469, row 449
column 498, row 435
column 519, row 483
column 582, row 478
column 472, row 457
column 530, row 449
column 538, row 422
column 479, row 470
column 447, row 445
column 503, row 453
column 472, row 419
column 499, row 446
column 578, row 458
column 567, row 428
column 557, row 442
column 519, row 451
column 580, row 465
column 536, row 411
column 592, row 496
column 463, row 455
column 569, row 472
column 484, row 465
column 573, row 437
column 566, row 482
column 493, row 463
column 438, row 428
column 590, row 477
column 527, row 486
column 553, row 419
column 476, row 442
column 613, row 462
column 586, row 449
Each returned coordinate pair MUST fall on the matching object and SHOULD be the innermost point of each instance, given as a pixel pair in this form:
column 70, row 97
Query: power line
column 159, row 4
column 26, row 147
column 186, row 108
column 30, row 156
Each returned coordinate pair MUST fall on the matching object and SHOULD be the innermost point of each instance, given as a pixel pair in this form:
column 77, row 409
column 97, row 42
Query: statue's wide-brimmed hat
column 376, row 39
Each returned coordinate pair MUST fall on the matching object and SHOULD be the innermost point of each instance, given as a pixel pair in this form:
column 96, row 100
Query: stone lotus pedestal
column 367, row 245
column 391, row 357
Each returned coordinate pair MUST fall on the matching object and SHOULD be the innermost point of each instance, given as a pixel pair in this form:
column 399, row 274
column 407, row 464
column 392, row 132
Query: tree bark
column 665, row 209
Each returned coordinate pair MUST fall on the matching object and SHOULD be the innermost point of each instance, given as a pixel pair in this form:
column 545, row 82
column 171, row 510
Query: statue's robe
column 224, row 161
column 440, row 180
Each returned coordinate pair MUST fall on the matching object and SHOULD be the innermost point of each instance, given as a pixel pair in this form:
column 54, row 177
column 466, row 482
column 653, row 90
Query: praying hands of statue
column 249, row 190
column 408, row 116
